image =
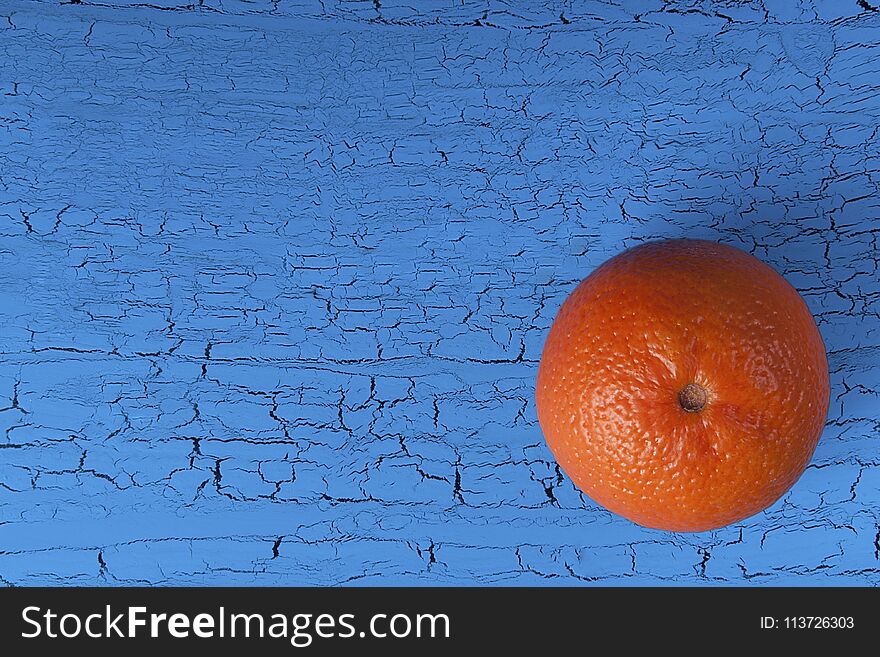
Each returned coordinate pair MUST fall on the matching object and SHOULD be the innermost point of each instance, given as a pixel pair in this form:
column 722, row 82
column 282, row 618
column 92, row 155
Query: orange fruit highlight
column 683, row 385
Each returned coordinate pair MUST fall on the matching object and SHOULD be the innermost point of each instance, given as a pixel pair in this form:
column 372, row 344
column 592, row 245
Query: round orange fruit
column 683, row 385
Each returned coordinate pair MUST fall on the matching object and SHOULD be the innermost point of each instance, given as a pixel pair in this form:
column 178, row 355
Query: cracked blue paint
column 275, row 277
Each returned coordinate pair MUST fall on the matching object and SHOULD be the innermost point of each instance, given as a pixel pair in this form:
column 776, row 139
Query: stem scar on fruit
column 692, row 398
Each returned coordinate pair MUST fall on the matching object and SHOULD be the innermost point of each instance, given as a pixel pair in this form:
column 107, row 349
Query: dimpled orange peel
column 683, row 385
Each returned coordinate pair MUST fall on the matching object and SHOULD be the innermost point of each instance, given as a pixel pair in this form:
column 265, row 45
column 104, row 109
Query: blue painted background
column 275, row 277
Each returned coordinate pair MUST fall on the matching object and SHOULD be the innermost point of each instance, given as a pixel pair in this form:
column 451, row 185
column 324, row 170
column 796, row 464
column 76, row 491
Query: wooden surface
column 275, row 278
